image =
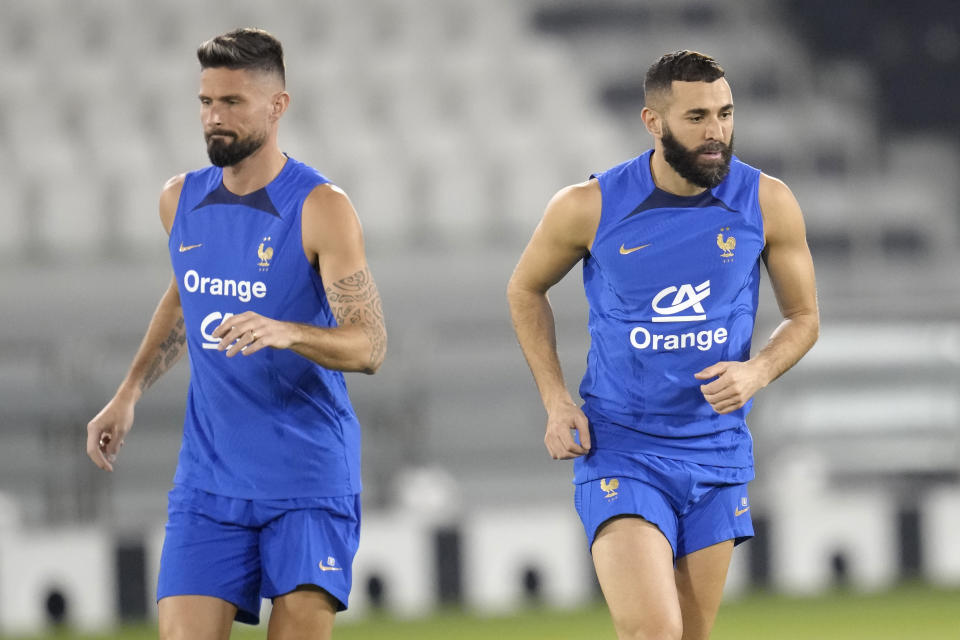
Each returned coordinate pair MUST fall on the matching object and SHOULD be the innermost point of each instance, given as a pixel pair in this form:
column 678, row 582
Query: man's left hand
column 249, row 332
column 735, row 384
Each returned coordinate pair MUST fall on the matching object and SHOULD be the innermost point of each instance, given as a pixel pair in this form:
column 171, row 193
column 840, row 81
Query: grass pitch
column 911, row 612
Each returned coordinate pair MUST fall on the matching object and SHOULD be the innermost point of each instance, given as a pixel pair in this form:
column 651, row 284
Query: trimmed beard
column 687, row 162
column 227, row 154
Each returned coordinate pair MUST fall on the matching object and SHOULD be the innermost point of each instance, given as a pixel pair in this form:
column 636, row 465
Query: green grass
column 907, row 613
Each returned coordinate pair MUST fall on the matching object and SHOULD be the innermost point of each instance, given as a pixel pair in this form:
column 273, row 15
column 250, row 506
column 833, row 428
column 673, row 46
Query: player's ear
column 652, row 121
column 281, row 101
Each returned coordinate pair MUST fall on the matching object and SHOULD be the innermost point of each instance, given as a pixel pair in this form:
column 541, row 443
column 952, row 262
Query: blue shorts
column 244, row 550
column 693, row 505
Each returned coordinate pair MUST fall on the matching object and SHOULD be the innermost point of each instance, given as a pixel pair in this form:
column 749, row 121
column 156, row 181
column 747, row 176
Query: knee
column 177, row 630
column 166, row 633
column 658, row 634
column 306, row 613
column 656, row 628
column 195, row 618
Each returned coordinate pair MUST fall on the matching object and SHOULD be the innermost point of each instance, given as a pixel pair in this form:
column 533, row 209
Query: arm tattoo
column 355, row 300
column 170, row 350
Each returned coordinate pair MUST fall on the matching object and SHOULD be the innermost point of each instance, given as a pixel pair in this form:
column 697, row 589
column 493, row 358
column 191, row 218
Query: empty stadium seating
column 450, row 123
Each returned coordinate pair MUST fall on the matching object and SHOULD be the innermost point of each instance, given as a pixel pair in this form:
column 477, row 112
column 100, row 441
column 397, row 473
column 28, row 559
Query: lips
column 712, row 152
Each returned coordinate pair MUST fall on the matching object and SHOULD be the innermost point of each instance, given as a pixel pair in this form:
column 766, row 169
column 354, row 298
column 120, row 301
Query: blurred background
column 451, row 123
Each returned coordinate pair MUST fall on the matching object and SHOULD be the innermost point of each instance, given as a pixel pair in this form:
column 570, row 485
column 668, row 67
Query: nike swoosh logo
column 189, row 246
column 326, row 568
column 624, row 251
column 740, row 512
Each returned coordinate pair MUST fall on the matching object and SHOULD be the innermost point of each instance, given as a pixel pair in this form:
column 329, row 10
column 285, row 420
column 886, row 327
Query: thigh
column 600, row 500
column 306, row 613
column 708, row 531
column 206, row 554
column 195, row 618
column 313, row 544
column 700, row 578
column 634, row 564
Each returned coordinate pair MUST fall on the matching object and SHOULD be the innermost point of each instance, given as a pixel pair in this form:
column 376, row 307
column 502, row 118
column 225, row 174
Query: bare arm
column 562, row 239
column 790, row 267
column 163, row 344
column 333, row 242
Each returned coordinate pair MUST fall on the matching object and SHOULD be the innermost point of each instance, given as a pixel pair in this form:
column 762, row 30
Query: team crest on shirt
column 726, row 245
column 610, row 487
column 265, row 253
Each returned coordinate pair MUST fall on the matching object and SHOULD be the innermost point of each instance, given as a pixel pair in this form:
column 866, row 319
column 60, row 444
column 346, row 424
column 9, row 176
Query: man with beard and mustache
column 671, row 244
column 273, row 299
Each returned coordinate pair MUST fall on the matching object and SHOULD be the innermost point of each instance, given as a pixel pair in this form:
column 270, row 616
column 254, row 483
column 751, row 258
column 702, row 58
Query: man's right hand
column 106, row 432
column 562, row 421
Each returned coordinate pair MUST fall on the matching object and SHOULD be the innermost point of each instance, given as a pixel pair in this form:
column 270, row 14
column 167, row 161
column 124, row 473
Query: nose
column 211, row 116
column 714, row 130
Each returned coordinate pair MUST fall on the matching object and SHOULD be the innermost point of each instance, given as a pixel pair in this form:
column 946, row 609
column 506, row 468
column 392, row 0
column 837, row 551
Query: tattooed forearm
column 373, row 326
column 169, row 352
column 355, row 300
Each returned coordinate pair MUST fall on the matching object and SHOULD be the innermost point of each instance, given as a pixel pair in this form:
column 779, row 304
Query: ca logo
column 208, row 325
column 685, row 297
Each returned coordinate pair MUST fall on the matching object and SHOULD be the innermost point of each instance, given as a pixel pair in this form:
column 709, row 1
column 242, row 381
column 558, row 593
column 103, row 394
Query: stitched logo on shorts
column 329, row 566
column 610, row 486
column 744, row 507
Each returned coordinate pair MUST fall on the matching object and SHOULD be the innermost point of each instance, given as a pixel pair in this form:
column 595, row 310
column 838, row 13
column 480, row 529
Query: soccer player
column 272, row 298
column 671, row 243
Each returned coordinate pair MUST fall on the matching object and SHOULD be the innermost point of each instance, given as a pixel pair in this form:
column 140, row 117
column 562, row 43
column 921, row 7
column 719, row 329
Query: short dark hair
column 246, row 48
column 685, row 66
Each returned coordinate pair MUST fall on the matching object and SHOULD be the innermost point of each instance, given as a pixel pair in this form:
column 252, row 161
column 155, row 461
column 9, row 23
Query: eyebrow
column 702, row 112
column 231, row 96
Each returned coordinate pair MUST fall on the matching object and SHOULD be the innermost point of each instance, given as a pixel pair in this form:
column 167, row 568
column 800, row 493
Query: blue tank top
column 672, row 284
column 273, row 424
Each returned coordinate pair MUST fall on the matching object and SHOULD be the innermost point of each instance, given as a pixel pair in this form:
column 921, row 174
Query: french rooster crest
column 610, row 486
column 726, row 245
column 264, row 253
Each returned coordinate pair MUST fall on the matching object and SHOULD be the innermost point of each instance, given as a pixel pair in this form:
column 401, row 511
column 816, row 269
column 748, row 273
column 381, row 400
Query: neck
column 667, row 179
column 255, row 171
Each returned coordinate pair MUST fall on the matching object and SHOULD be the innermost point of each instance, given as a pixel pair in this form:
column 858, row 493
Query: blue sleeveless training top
column 672, row 284
column 273, row 424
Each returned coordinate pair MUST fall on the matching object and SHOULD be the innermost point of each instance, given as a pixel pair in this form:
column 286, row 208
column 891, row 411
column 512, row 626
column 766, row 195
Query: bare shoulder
column 774, row 192
column 169, row 199
column 584, row 193
column 563, row 237
column 574, row 213
column 780, row 209
column 329, row 221
column 329, row 203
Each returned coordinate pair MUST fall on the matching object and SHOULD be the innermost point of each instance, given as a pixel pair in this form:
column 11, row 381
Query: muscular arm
column 562, row 239
column 790, row 267
column 162, row 346
column 333, row 241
